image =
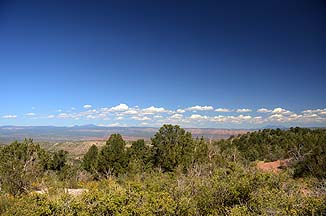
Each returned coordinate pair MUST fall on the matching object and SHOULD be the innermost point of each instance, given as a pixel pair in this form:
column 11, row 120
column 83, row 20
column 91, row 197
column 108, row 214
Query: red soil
column 275, row 166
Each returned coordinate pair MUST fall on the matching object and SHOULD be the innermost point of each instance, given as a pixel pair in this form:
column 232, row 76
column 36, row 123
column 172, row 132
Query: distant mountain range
column 93, row 132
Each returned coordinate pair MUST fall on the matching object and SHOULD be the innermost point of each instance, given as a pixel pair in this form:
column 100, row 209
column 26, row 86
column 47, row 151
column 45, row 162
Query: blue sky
column 138, row 62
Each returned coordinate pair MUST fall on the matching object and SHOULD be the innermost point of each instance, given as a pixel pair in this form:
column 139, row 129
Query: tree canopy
column 112, row 158
column 172, row 146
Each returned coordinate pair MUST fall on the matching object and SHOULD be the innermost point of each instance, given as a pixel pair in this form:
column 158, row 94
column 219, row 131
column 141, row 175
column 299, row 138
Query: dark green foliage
column 200, row 151
column 22, row 163
column 19, row 166
column 54, row 161
column 139, row 156
column 68, row 175
column 311, row 161
column 112, row 158
column 305, row 147
column 138, row 150
column 45, row 159
column 172, row 146
column 90, row 159
column 59, row 159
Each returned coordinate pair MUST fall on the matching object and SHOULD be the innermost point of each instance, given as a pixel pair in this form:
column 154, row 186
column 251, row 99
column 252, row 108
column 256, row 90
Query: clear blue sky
column 57, row 56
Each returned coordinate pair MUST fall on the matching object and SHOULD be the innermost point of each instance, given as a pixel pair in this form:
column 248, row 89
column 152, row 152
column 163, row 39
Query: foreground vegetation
column 174, row 175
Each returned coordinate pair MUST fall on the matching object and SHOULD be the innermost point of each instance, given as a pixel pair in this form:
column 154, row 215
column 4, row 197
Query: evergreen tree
column 172, row 146
column 19, row 166
column 140, row 156
column 59, row 160
column 90, row 159
column 112, row 157
column 201, row 151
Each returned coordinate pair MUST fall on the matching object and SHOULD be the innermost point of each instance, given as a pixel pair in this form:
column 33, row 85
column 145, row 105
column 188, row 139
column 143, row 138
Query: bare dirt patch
column 275, row 166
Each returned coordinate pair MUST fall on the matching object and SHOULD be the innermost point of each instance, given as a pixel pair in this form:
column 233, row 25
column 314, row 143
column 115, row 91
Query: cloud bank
column 194, row 116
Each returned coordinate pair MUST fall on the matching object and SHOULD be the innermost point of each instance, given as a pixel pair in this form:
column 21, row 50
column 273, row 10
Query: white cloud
column 238, row 119
column 176, row 116
column 311, row 111
column 87, row 106
column 119, row 108
column 180, row 111
column 264, row 110
column 307, row 117
column 153, row 110
column 114, row 125
column 294, row 115
column 102, row 115
column 318, row 111
column 90, row 117
column 219, row 118
column 140, row 118
column 9, row 116
column 225, row 119
column 131, row 112
column 282, row 111
column 313, row 115
column 222, row 110
column 63, row 116
column 258, row 120
column 200, row 108
column 198, row 117
column 156, row 116
column 244, row 117
column 30, row 114
column 243, row 110
column 277, row 116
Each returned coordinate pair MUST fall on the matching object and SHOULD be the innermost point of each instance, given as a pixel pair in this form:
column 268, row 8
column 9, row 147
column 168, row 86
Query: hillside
column 175, row 175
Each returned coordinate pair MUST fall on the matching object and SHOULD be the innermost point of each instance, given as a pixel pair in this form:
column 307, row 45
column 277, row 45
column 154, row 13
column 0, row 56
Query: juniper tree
column 90, row 159
column 112, row 157
column 172, row 146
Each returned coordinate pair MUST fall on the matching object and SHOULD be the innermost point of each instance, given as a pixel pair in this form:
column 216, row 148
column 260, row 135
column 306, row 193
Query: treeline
column 305, row 147
column 171, row 147
column 174, row 174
